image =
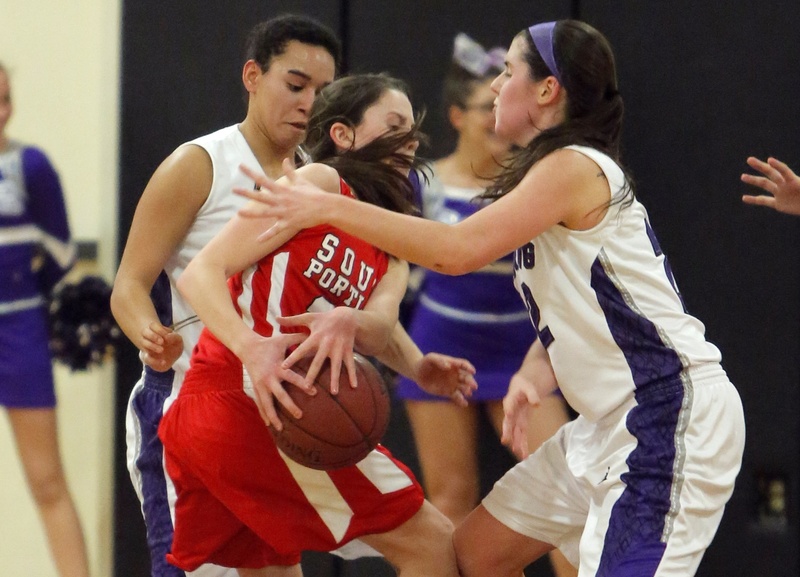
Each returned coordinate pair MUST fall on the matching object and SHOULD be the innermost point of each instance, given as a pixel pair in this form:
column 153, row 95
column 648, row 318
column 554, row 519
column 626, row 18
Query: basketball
column 335, row 430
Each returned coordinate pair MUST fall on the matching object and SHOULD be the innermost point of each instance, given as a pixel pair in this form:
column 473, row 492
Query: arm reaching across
column 782, row 184
column 204, row 285
column 438, row 374
column 549, row 194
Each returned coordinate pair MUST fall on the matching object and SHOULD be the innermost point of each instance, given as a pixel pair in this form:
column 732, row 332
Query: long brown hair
column 372, row 170
column 594, row 107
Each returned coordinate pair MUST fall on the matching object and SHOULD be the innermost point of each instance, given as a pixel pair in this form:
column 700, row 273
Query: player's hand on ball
column 446, row 376
column 521, row 396
column 263, row 362
column 331, row 336
column 335, row 431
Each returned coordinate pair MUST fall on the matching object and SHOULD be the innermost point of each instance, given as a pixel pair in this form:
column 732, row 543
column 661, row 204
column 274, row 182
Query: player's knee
column 433, row 539
column 455, row 499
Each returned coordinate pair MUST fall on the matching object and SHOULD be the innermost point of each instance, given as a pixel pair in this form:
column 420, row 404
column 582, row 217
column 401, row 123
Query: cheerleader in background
column 35, row 253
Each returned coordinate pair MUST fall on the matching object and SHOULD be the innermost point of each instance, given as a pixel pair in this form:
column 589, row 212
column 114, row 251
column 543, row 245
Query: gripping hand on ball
column 263, row 363
column 332, row 335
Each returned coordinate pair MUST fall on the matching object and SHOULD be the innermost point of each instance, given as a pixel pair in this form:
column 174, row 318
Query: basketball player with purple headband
column 479, row 315
column 240, row 501
column 637, row 484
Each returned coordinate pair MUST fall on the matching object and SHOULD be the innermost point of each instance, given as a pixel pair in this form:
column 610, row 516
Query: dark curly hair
column 269, row 38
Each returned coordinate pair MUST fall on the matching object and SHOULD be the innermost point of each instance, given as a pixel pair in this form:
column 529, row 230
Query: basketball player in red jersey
column 241, row 502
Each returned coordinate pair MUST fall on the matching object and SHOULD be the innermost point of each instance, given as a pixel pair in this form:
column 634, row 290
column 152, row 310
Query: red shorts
column 242, row 503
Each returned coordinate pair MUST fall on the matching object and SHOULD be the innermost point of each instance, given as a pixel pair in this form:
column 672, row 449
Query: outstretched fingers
column 782, row 168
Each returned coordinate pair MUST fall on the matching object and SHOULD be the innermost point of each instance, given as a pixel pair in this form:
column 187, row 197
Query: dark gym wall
column 705, row 85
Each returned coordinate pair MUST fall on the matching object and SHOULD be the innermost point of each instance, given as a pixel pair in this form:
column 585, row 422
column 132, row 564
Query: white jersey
column 227, row 149
column 605, row 305
column 155, row 391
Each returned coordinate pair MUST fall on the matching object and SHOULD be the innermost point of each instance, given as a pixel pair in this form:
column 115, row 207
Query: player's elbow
column 458, row 263
column 122, row 297
column 185, row 282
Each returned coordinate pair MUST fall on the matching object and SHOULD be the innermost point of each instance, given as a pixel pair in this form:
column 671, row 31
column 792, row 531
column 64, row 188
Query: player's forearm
column 401, row 354
column 373, row 333
column 132, row 308
column 433, row 245
column 206, row 290
column 537, row 369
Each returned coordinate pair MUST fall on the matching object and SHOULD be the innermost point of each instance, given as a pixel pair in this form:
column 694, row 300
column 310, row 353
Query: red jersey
column 240, row 501
column 316, row 270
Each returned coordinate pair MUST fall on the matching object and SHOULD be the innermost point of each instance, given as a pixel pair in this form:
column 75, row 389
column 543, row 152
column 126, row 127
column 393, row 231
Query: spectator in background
column 35, row 253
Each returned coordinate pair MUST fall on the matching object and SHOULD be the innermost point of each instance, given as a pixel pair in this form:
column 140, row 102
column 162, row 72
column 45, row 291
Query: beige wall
column 64, row 63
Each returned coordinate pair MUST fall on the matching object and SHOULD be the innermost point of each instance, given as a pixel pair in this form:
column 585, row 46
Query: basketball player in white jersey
column 637, row 484
column 186, row 202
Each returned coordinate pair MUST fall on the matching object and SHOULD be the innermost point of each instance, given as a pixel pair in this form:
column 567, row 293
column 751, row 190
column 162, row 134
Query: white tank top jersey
column 605, row 305
column 227, row 149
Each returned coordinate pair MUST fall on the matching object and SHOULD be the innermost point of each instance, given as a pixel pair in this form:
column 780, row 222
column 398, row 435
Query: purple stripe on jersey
column 636, row 537
column 161, row 295
column 148, row 406
column 667, row 269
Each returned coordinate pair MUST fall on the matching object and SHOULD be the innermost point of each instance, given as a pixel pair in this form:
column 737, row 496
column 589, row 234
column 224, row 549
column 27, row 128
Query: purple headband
column 542, row 35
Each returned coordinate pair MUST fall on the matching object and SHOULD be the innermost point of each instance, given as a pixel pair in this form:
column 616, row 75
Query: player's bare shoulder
column 185, row 176
column 321, row 175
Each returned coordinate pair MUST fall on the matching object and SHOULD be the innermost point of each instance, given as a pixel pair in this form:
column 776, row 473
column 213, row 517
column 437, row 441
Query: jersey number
column 525, row 258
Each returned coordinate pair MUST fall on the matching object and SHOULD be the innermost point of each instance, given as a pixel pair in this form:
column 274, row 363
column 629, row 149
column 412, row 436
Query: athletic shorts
column 145, row 457
column 26, row 370
column 242, row 503
column 642, row 491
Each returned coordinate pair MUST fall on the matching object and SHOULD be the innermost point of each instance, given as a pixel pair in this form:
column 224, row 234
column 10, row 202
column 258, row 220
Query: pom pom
column 83, row 332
